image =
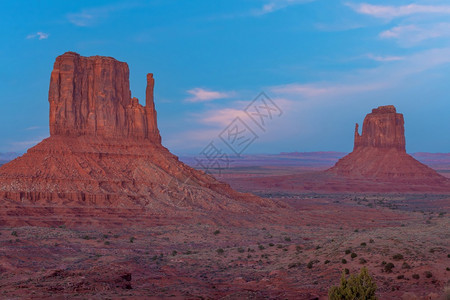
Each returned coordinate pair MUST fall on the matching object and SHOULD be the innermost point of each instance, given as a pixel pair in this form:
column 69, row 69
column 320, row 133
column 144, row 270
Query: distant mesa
column 379, row 152
column 105, row 149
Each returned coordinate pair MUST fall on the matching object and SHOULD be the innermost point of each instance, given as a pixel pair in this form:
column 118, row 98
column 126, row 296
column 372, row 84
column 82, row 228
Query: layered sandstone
column 380, row 153
column 105, row 149
column 91, row 96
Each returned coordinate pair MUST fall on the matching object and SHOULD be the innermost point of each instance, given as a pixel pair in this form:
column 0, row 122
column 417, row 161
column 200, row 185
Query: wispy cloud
column 325, row 89
column 221, row 117
column 39, row 35
column 92, row 16
column 390, row 11
column 204, row 95
column 275, row 5
column 414, row 34
column 384, row 58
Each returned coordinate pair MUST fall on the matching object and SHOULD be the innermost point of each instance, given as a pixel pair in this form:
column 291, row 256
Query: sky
column 324, row 64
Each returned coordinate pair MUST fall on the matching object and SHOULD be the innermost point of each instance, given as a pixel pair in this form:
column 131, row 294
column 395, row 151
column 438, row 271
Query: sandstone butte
column 379, row 153
column 105, row 149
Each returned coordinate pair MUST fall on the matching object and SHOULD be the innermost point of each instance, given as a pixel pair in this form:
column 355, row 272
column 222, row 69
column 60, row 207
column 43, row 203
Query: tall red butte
column 105, row 150
column 379, row 152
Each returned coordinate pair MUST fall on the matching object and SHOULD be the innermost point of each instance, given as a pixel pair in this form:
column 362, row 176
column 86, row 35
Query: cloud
column 275, row 5
column 384, row 58
column 221, row 117
column 390, row 12
column 203, row 95
column 39, row 35
column 92, row 16
column 317, row 90
column 414, row 34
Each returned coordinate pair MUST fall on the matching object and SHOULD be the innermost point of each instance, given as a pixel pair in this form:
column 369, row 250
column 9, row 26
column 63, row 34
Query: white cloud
column 384, row 58
column 275, row 5
column 390, row 12
column 203, row 95
column 414, row 34
column 39, row 35
column 221, row 117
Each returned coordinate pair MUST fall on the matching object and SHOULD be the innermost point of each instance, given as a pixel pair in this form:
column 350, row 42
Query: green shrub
column 348, row 251
column 344, row 261
column 241, row 250
column 406, row 266
column 359, row 286
column 416, row 276
column 362, row 261
column 132, row 239
column 353, row 255
column 14, row 233
column 287, row 239
column 216, row 232
column 327, row 262
column 310, row 265
column 220, row 251
column 428, row 274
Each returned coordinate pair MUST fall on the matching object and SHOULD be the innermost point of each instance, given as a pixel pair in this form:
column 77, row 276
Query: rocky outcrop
column 91, row 96
column 383, row 128
column 379, row 152
column 105, row 150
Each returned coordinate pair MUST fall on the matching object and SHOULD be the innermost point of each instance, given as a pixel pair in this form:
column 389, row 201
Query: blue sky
column 325, row 63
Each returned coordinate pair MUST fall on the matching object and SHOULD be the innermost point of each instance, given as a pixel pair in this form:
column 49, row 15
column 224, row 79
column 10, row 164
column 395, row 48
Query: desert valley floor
column 401, row 237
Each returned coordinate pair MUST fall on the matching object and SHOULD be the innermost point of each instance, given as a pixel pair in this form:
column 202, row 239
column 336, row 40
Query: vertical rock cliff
column 91, row 96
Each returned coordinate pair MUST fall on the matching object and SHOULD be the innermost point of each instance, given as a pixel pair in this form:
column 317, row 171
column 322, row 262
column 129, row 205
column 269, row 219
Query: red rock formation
column 379, row 152
column 105, row 149
column 91, row 96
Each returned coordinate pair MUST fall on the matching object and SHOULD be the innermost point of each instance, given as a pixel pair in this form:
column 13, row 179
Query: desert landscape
column 107, row 211
column 182, row 184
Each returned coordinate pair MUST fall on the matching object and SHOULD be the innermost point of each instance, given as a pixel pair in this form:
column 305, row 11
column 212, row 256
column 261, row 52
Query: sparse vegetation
column 359, row 286
column 397, row 256
column 216, row 232
column 287, row 239
column 428, row 274
column 353, row 255
column 388, row 267
column 416, row 276
column 344, row 261
column 14, row 233
column 132, row 239
column 348, row 251
column 220, row 251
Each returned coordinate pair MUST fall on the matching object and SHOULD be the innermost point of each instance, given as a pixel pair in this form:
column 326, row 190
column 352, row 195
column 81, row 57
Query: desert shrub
column 174, row 252
column 363, row 244
column 271, row 244
column 279, row 246
column 216, row 232
column 348, row 251
column 287, row 239
column 105, row 236
column 241, row 250
column 344, row 261
column 371, row 241
column 448, row 269
column 346, row 271
column 293, row 265
column 310, row 265
column 107, row 243
column 397, row 256
column 132, row 239
column 428, row 274
column 400, row 276
column 85, row 237
column 14, row 233
column 353, row 255
column 406, row 266
column 318, row 247
column 359, row 286
column 388, row 267
column 220, row 251
column 261, row 247
column 416, row 276
column 362, row 261
column 327, row 262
